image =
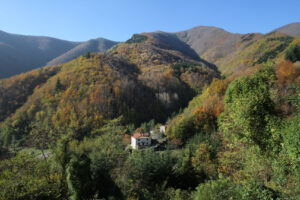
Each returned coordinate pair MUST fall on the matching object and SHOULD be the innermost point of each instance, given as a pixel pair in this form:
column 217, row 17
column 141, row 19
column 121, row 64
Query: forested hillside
column 14, row 91
column 260, row 51
column 232, row 125
column 136, row 80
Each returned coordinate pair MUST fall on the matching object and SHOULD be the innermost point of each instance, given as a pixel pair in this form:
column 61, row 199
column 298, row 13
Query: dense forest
column 232, row 129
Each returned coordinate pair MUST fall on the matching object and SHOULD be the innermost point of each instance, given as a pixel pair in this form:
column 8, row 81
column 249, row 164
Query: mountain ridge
column 21, row 53
column 292, row 29
column 93, row 45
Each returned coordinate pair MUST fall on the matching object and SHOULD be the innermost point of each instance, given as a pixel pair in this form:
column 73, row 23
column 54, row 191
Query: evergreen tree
column 79, row 178
column 293, row 53
column 87, row 55
column 58, row 86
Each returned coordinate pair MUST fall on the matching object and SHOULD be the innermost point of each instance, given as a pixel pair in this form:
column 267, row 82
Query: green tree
column 14, row 131
column 79, row 178
column 147, row 169
column 254, row 190
column 147, row 126
column 105, row 152
column 101, row 167
column 27, row 177
column 293, row 53
column 62, row 156
column 249, row 111
column 287, row 165
column 217, row 190
column 58, row 86
column 87, row 55
column 184, row 175
column 223, row 189
column 182, row 127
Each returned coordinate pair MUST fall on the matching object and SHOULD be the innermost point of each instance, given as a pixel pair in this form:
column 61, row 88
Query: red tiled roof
column 138, row 135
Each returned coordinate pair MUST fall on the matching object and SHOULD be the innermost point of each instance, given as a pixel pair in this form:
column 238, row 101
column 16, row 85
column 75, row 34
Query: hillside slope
column 95, row 45
column 292, row 29
column 257, row 52
column 20, row 53
column 213, row 43
column 136, row 80
column 15, row 90
column 231, row 52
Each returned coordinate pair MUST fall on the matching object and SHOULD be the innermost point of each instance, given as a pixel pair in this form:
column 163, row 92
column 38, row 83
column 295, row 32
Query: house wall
column 162, row 129
column 133, row 142
column 142, row 141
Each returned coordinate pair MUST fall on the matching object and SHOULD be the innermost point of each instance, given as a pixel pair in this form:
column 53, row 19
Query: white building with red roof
column 140, row 140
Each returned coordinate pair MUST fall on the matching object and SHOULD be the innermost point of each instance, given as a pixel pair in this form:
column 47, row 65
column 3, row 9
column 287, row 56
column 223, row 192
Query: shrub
column 217, row 189
column 227, row 189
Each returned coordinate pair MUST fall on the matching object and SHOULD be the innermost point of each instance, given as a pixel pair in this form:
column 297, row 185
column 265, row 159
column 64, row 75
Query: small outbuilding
column 163, row 129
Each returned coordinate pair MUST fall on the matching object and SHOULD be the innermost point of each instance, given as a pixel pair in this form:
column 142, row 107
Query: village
column 155, row 138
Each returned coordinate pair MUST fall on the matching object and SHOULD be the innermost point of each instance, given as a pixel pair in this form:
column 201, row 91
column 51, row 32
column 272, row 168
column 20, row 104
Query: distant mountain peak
column 21, row 53
column 292, row 29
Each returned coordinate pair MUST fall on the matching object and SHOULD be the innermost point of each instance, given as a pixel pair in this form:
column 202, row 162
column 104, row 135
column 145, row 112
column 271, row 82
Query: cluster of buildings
column 141, row 140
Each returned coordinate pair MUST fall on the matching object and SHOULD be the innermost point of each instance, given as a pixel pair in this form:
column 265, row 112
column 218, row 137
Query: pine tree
column 58, row 86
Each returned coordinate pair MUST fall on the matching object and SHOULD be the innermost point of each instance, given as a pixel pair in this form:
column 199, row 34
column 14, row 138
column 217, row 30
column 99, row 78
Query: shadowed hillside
column 95, row 45
column 20, row 53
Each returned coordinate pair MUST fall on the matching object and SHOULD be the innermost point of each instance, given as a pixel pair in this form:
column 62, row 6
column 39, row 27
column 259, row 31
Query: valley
column 228, row 104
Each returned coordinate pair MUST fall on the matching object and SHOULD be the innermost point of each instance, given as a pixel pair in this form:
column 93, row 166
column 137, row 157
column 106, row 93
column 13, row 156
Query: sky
column 81, row 20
